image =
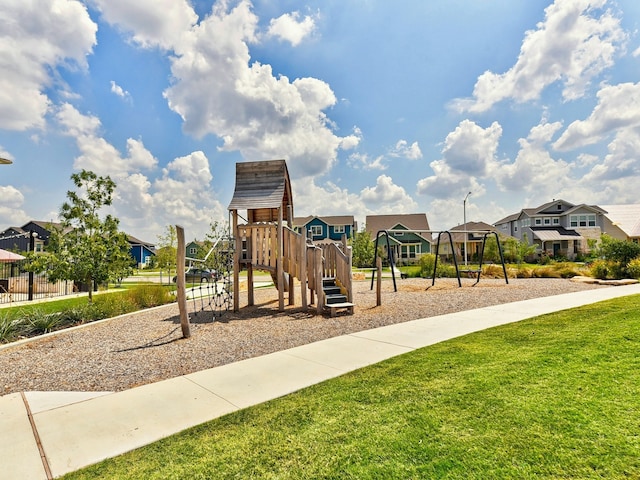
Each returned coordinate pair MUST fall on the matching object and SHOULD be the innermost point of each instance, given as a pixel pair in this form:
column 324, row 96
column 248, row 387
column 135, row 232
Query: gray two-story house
column 557, row 228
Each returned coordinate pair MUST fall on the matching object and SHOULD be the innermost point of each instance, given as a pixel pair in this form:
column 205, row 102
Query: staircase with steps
column 334, row 298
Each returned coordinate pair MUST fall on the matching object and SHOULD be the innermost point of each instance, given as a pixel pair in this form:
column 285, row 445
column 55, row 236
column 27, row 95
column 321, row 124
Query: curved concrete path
column 47, row 434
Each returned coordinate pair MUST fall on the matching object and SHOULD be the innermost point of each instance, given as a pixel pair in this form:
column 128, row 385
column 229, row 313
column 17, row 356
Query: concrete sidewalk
column 47, row 434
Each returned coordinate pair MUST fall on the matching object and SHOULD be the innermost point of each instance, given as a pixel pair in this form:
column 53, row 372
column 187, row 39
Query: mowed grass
column 557, row 396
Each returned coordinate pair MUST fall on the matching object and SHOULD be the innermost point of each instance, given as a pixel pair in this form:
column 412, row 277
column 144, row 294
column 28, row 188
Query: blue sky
column 378, row 107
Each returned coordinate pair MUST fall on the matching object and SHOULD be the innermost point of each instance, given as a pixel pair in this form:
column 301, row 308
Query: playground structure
column 266, row 241
column 440, row 234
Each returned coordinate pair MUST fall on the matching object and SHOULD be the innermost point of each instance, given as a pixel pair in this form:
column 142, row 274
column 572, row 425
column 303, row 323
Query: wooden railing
column 300, row 259
column 337, row 264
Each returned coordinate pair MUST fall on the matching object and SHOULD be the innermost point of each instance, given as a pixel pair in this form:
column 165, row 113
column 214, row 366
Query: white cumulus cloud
column 576, row 42
column 34, row 43
column 291, row 28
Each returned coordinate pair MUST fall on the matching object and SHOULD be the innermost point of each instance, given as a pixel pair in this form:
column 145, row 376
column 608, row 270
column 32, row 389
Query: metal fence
column 15, row 285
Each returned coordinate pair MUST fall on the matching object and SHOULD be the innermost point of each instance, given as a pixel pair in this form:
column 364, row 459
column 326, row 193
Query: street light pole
column 464, row 214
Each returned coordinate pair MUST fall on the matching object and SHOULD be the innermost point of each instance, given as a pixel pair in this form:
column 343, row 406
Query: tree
column 362, row 249
column 518, row 251
column 88, row 249
column 166, row 254
column 618, row 253
column 221, row 258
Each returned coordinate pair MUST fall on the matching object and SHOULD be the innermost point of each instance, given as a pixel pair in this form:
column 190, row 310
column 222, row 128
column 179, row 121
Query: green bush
column 9, row 328
column 146, row 296
column 37, row 321
column 633, row 268
column 426, row 264
column 600, row 269
column 618, row 254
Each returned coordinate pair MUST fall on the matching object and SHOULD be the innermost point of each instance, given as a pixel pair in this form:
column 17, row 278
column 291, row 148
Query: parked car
column 202, row 275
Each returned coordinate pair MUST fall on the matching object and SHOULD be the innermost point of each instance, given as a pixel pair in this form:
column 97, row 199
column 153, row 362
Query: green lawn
column 553, row 397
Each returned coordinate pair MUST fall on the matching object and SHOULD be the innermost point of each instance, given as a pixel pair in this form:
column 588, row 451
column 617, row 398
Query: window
column 582, row 220
column 338, row 229
column 411, row 251
column 538, row 221
column 192, row 251
column 315, row 230
column 556, row 221
column 547, row 221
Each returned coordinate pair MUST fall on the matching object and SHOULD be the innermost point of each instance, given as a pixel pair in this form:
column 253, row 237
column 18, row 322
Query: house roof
column 410, row 221
column 625, row 217
column 510, row 218
column 457, row 232
column 261, row 185
column 554, row 233
column 329, row 220
column 134, row 241
column 44, row 224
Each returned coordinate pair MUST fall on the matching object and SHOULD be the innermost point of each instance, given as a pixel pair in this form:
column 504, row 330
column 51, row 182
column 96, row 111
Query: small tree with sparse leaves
column 88, row 248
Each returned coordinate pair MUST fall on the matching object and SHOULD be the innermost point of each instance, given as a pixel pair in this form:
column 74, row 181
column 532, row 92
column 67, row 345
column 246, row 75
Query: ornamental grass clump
column 37, row 322
column 9, row 328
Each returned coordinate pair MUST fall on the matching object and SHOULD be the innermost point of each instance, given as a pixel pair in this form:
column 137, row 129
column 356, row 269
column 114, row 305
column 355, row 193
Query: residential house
column 409, row 234
column 474, row 233
column 622, row 222
column 192, row 248
column 141, row 251
column 19, row 238
column 557, row 228
column 326, row 228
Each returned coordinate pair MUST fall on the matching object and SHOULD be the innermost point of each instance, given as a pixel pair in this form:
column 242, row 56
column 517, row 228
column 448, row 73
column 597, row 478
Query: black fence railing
column 17, row 285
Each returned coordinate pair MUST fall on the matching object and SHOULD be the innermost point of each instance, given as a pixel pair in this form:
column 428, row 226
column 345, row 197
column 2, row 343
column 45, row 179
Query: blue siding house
column 142, row 252
column 330, row 228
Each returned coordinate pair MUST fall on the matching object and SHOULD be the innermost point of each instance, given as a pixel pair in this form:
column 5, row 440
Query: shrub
column 492, row 271
column 546, row 272
column 427, row 262
column 9, row 328
column 146, row 296
column 600, row 269
column 37, row 321
column 566, row 270
column 523, row 272
column 633, row 268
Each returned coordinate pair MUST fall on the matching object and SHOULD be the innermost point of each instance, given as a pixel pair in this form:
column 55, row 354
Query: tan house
column 622, row 221
column 474, row 232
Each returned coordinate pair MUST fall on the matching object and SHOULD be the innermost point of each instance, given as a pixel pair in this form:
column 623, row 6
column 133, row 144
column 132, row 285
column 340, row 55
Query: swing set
column 485, row 234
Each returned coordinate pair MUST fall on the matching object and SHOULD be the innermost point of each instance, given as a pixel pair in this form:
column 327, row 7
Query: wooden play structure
column 266, row 241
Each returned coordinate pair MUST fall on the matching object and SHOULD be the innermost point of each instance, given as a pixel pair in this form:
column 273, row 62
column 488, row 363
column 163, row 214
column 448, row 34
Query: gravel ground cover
column 147, row 346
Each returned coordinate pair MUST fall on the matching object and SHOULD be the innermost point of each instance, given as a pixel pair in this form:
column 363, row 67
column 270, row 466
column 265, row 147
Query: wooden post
column 303, row 267
column 279, row 260
column 236, row 263
column 291, row 253
column 319, row 273
column 182, row 296
column 379, row 281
